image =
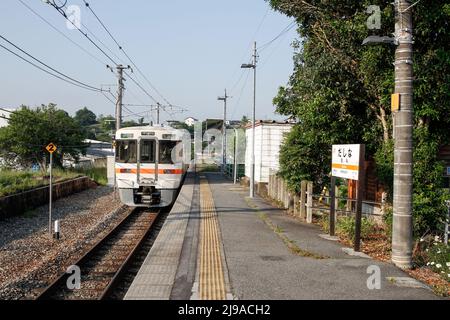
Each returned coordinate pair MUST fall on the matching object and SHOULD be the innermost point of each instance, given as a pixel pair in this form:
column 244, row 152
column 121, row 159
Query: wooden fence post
column 278, row 188
column 286, row 196
column 309, row 209
column 303, row 200
column 296, row 205
column 269, row 189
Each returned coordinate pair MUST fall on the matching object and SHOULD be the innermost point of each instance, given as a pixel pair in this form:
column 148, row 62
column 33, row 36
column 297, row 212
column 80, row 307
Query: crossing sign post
column 348, row 163
column 51, row 147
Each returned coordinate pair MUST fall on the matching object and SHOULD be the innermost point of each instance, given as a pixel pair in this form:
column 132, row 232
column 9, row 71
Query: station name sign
column 345, row 161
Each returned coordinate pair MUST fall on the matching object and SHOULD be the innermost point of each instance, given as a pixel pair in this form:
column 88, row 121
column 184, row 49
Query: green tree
column 130, row 123
column 340, row 93
column 244, row 121
column 85, row 117
column 107, row 123
column 29, row 131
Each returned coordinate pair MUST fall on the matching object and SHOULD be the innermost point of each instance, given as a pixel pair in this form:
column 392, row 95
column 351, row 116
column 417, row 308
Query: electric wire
column 49, row 67
column 236, row 105
column 85, row 34
column 48, row 72
column 125, row 53
column 248, row 48
column 285, row 30
column 61, row 33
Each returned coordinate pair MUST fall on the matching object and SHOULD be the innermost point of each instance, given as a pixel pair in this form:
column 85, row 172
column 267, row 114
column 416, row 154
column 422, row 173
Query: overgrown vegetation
column 99, row 175
column 345, row 227
column 432, row 252
column 12, row 181
column 340, row 93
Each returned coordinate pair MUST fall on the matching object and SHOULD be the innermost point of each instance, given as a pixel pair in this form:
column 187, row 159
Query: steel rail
column 59, row 283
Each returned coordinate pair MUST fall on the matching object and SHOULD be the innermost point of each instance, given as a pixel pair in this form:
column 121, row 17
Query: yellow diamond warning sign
column 51, row 147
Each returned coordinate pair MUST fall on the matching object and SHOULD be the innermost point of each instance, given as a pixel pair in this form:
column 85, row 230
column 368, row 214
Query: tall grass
column 13, row 181
column 99, row 175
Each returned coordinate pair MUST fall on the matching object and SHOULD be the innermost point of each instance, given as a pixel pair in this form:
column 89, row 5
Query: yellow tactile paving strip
column 211, row 277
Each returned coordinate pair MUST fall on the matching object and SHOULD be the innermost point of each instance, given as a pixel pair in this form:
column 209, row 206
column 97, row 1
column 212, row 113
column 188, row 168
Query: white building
column 4, row 114
column 190, row 121
column 269, row 136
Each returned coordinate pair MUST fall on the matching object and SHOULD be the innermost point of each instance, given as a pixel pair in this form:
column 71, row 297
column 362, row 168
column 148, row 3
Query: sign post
column 333, row 206
column 348, row 163
column 447, row 221
column 50, row 148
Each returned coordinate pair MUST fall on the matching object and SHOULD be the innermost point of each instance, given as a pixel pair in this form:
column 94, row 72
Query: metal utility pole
column 224, row 130
column 403, row 136
column 121, row 87
column 50, row 196
column 252, row 170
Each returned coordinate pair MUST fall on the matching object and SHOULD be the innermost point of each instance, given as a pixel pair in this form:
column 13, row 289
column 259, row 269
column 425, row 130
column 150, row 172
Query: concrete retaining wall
column 21, row 202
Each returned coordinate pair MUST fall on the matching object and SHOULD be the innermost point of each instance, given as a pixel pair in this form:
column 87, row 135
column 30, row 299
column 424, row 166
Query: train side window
column 126, row 151
column 165, row 151
column 148, row 151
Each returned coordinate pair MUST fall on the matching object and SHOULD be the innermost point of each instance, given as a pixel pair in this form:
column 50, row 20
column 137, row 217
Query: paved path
column 262, row 266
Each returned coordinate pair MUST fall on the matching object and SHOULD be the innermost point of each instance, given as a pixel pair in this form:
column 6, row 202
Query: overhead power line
column 285, row 30
column 141, row 87
column 263, row 19
column 89, row 87
column 85, row 34
column 125, row 53
column 60, row 32
column 48, row 72
column 6, row 110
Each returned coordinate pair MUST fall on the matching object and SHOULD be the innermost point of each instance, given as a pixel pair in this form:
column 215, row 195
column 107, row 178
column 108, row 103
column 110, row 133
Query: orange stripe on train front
column 150, row 171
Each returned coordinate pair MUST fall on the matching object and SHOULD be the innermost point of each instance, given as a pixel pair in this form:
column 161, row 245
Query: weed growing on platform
column 291, row 244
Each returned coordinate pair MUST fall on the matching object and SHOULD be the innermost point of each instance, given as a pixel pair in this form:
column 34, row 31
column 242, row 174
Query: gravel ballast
column 30, row 259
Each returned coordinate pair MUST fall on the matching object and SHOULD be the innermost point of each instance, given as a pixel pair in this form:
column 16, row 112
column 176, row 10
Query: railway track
column 103, row 267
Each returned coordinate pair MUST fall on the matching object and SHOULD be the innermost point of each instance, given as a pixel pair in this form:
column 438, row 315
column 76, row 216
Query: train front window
column 148, row 151
column 165, row 151
column 126, row 151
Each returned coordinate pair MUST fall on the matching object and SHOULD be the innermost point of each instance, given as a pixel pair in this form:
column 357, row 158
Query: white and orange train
column 149, row 166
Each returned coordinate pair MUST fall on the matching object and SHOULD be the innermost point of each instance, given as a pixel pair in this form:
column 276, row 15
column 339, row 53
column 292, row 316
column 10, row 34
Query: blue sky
column 190, row 51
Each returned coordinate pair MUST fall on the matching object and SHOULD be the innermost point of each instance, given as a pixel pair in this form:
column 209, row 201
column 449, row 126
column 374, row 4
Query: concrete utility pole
column 403, row 136
column 158, row 106
column 224, row 130
column 121, row 87
column 252, row 170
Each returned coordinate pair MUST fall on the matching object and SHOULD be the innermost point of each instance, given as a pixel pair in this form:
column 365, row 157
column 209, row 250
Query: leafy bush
column 387, row 220
column 345, row 226
column 438, row 256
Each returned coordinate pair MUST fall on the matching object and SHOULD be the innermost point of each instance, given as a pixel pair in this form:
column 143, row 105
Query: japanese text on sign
column 345, row 161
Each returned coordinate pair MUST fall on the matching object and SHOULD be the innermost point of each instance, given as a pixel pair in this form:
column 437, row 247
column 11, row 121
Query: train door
column 147, row 164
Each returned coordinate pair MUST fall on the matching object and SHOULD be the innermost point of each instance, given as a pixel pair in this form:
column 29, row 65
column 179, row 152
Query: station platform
column 219, row 244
